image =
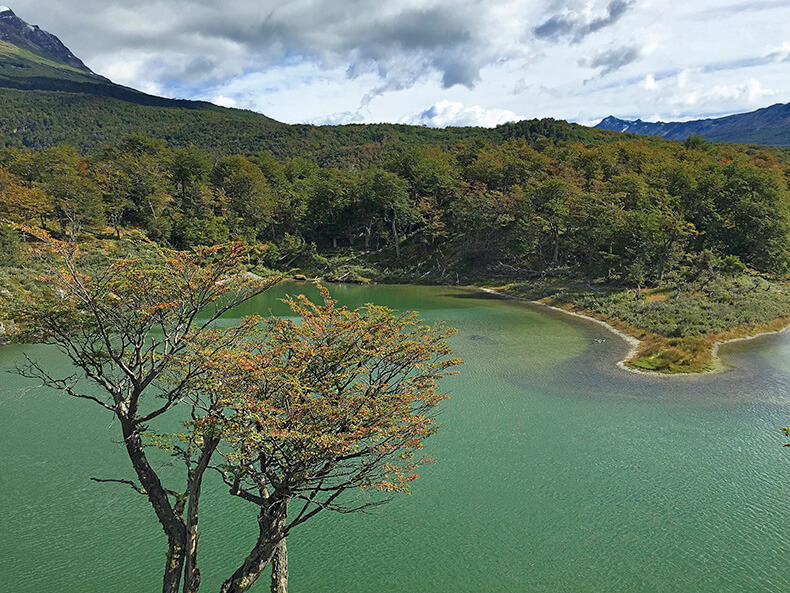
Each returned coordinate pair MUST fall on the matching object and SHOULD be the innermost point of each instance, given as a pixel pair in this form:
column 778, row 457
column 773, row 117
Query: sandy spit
column 634, row 343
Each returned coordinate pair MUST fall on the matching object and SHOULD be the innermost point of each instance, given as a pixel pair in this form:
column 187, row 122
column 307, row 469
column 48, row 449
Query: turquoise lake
column 555, row 472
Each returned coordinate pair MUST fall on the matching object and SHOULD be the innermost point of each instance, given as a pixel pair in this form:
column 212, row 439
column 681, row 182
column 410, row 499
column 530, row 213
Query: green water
column 556, row 472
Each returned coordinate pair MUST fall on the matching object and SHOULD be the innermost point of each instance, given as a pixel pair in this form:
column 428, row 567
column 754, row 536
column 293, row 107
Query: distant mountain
column 17, row 32
column 32, row 59
column 48, row 96
column 770, row 125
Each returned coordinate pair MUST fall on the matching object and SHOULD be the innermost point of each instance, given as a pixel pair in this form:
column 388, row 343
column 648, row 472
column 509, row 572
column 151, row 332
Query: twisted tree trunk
column 191, row 572
column 171, row 522
column 271, row 522
column 280, row 569
column 395, row 238
column 174, row 567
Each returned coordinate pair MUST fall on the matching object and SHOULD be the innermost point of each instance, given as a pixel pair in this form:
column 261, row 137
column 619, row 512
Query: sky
column 438, row 62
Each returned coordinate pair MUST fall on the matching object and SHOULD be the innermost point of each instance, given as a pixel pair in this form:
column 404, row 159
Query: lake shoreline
column 713, row 365
column 717, row 365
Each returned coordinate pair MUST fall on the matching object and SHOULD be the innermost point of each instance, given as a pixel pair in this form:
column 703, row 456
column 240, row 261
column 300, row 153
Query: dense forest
column 628, row 215
column 628, row 211
column 89, row 114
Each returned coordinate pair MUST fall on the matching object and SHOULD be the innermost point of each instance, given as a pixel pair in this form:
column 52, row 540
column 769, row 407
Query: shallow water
column 556, row 471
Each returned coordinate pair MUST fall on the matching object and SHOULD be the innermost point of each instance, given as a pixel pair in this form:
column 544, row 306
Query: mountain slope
column 40, row 119
column 770, row 125
column 49, row 96
column 17, row 32
column 21, row 69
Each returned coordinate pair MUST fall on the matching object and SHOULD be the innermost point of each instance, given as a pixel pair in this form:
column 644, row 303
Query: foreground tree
column 305, row 411
column 130, row 329
column 298, row 412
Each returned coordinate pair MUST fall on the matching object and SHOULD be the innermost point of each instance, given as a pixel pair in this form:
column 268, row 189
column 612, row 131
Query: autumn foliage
column 129, row 326
column 342, row 398
column 294, row 413
column 309, row 408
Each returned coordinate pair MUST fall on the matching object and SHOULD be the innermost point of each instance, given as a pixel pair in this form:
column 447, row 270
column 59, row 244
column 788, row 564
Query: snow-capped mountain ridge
column 17, row 32
column 769, row 125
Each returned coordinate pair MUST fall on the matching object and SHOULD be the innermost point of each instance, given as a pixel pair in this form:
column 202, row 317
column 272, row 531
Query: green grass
column 10, row 52
column 678, row 331
column 723, row 305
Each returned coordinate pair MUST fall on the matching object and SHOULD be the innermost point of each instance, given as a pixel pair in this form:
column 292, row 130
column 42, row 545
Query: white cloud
column 129, row 71
column 452, row 113
column 364, row 60
column 781, row 54
column 338, row 119
column 649, row 83
column 749, row 93
column 692, row 89
column 224, row 101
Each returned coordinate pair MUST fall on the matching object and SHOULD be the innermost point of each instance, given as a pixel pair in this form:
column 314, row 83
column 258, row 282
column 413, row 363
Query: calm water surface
column 555, row 472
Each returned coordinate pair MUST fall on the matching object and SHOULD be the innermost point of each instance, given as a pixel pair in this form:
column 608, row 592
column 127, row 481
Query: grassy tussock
column 678, row 329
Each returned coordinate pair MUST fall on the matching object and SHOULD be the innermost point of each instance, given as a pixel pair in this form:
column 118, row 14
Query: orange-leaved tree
column 21, row 204
column 315, row 408
column 130, row 327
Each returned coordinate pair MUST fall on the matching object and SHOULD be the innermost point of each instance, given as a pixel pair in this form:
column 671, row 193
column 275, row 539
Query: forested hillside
column 679, row 241
column 629, row 215
column 103, row 114
column 622, row 211
column 47, row 102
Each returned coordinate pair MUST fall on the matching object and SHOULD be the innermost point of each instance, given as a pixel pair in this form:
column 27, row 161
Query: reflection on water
column 556, row 471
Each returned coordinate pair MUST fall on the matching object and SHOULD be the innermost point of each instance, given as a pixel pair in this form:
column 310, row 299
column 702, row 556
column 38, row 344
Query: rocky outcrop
column 32, row 38
column 7, row 331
